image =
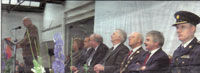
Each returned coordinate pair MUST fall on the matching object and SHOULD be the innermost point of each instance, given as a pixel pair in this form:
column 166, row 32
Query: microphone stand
column 14, row 47
column 14, row 61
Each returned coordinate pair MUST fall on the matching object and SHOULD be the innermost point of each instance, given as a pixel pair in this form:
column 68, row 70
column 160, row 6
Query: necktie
column 181, row 48
column 130, row 52
column 112, row 48
column 147, row 57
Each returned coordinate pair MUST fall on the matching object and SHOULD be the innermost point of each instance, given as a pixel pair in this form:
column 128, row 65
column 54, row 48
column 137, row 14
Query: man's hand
column 76, row 71
column 98, row 68
column 73, row 68
column 143, row 68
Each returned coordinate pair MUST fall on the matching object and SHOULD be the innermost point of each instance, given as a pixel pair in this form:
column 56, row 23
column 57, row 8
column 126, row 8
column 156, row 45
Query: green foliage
column 8, row 65
column 38, row 68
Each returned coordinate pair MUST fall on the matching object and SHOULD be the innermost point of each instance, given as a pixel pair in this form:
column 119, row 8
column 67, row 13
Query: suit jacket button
column 131, row 58
column 126, row 65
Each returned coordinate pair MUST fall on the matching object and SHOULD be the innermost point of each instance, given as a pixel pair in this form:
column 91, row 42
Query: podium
column 8, row 56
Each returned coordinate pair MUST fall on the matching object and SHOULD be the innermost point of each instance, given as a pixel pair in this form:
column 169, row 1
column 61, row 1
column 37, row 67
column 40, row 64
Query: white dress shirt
column 115, row 46
column 152, row 52
column 187, row 43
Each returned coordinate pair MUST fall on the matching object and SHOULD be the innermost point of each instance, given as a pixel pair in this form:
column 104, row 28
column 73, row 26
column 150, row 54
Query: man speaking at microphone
column 26, row 44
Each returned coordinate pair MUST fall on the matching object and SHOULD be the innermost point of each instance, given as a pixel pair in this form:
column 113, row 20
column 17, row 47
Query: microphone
column 19, row 27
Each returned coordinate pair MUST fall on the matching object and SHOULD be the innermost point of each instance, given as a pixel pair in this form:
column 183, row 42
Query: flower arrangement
column 38, row 68
column 58, row 64
column 7, row 56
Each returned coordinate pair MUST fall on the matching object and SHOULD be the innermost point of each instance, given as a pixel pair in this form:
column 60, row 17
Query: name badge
column 185, row 56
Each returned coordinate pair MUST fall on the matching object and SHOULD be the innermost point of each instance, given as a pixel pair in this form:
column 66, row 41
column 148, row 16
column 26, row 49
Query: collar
column 135, row 49
column 187, row 43
column 88, row 48
column 115, row 46
column 154, row 51
column 96, row 48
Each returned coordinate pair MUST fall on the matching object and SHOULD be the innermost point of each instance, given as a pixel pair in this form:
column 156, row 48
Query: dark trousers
column 28, row 60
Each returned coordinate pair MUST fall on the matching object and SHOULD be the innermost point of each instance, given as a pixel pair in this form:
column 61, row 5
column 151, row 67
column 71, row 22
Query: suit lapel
column 151, row 59
column 135, row 55
column 128, row 60
column 96, row 53
column 114, row 51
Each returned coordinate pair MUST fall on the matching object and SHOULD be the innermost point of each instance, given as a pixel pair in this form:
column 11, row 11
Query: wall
column 53, row 21
column 141, row 16
column 53, row 16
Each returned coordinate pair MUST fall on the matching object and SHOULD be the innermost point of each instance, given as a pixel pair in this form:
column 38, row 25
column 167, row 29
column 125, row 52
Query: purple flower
column 58, row 65
column 59, row 42
column 57, row 36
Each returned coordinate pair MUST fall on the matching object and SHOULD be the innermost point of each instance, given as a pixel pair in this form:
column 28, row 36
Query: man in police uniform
column 186, row 58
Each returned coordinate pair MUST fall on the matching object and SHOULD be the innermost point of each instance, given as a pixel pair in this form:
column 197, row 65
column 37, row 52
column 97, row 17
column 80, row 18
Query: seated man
column 155, row 60
column 135, row 42
column 98, row 53
column 115, row 55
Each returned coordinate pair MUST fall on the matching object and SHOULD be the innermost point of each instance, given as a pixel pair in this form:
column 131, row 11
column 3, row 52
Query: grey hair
column 123, row 35
column 157, row 37
column 27, row 18
column 98, row 38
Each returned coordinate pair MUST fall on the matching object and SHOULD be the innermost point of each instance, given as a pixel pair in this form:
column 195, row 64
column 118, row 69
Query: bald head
column 135, row 39
column 95, row 40
column 27, row 21
column 98, row 38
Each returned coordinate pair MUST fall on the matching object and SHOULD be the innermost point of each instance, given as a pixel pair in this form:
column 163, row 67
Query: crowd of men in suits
column 119, row 59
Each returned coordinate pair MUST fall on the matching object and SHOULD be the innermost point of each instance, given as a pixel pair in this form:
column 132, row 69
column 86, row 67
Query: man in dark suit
column 115, row 55
column 100, row 50
column 97, row 55
column 186, row 58
column 155, row 60
column 86, row 52
column 135, row 42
